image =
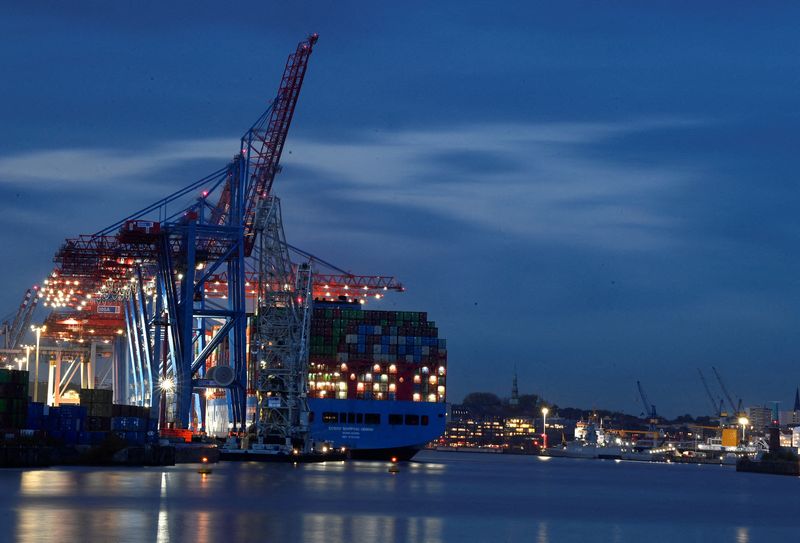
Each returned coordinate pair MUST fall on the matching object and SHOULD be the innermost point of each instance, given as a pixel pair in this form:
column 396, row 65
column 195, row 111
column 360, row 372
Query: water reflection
column 162, row 531
column 326, row 528
column 541, row 535
column 742, row 535
column 457, row 498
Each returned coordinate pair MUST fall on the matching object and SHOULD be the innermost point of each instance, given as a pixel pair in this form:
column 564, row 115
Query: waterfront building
column 760, row 417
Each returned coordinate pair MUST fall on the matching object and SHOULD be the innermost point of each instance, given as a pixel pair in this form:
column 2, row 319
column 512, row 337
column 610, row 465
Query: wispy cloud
column 538, row 181
column 77, row 168
column 557, row 191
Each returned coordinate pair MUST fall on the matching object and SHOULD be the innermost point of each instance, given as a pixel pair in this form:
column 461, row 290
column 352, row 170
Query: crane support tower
column 280, row 335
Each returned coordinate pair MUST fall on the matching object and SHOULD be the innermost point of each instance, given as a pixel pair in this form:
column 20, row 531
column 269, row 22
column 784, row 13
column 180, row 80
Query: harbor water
column 440, row 497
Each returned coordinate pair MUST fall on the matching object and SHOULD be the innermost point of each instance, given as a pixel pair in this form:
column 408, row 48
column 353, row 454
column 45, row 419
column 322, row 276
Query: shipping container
column 366, row 354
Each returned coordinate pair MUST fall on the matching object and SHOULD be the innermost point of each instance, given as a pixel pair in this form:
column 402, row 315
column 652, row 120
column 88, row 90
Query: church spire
column 514, row 390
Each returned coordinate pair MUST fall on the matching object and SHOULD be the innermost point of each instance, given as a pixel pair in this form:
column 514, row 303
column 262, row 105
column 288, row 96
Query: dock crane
column 650, row 412
column 736, row 410
column 716, row 407
column 649, row 409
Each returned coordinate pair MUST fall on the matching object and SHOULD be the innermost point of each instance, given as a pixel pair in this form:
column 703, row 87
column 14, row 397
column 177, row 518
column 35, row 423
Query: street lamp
column 545, row 411
column 38, row 330
column 743, row 422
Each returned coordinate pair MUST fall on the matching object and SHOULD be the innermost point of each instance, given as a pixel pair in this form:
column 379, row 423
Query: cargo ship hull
column 375, row 429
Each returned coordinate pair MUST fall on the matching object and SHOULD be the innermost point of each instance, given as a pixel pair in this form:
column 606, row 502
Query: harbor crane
column 157, row 263
column 178, row 276
column 649, row 409
column 736, row 410
column 716, row 404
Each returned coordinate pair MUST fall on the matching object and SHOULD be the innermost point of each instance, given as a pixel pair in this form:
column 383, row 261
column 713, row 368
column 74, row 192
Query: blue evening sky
column 597, row 192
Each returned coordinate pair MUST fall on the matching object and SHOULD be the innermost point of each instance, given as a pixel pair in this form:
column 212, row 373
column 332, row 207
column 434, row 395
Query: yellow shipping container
column 730, row 437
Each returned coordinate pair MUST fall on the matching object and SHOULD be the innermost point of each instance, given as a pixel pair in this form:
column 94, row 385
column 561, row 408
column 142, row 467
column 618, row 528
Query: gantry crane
column 158, row 269
column 183, row 274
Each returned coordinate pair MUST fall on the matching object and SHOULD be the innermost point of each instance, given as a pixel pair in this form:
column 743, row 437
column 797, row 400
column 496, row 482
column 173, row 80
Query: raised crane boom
column 724, row 390
column 714, row 406
column 649, row 409
column 262, row 146
column 15, row 331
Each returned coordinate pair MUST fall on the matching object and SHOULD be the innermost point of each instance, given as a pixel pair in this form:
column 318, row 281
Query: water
column 441, row 497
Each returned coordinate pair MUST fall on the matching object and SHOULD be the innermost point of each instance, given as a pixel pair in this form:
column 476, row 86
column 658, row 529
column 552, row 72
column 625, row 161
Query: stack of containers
column 71, row 420
column 37, row 411
column 98, row 404
column 381, row 355
column 65, row 423
column 13, row 399
column 131, row 423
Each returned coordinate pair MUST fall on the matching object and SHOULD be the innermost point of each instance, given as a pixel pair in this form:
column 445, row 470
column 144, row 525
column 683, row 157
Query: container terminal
column 191, row 329
column 193, row 323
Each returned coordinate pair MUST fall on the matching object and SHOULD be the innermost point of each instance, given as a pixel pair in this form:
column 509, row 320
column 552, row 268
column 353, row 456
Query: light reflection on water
column 320, row 528
column 451, row 497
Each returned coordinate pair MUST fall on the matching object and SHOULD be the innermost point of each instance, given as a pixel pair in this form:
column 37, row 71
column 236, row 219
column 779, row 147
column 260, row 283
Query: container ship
column 376, row 380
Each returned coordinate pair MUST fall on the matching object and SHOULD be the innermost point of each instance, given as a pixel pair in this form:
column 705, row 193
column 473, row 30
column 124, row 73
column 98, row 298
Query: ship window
column 351, row 418
column 395, row 419
column 359, row 418
column 424, row 420
column 330, row 417
column 372, row 418
column 310, row 416
column 412, row 420
column 342, row 417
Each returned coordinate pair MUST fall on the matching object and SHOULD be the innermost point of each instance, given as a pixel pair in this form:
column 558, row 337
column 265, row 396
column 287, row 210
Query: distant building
column 519, row 427
column 790, row 418
column 760, row 417
column 468, row 430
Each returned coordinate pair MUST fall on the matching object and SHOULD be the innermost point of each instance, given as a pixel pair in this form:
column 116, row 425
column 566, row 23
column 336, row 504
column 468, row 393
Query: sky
column 593, row 193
